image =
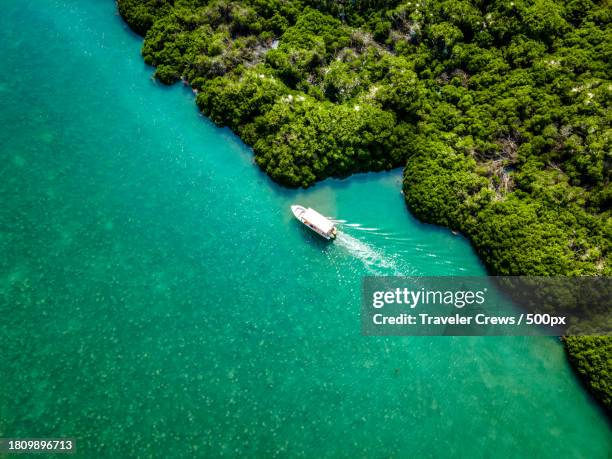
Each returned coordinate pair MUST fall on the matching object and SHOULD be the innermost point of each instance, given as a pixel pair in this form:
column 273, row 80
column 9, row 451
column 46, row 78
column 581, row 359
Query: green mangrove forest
column 498, row 111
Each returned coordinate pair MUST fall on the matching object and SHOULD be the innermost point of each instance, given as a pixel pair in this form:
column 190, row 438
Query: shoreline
column 513, row 233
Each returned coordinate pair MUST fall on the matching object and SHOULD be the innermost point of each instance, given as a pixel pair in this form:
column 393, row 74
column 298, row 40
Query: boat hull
column 305, row 215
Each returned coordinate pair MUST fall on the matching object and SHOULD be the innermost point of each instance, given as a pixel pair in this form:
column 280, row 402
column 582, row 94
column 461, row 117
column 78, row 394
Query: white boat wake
column 357, row 226
column 374, row 260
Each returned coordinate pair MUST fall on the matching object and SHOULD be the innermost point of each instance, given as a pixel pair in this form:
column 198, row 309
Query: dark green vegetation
column 590, row 356
column 499, row 112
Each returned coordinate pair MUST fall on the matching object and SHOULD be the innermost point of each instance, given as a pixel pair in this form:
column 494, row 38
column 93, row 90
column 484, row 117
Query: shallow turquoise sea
column 157, row 299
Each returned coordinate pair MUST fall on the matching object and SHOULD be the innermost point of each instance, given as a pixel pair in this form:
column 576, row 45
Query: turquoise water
column 158, row 299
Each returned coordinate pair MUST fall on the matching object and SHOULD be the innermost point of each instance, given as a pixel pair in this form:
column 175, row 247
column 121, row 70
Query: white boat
column 315, row 221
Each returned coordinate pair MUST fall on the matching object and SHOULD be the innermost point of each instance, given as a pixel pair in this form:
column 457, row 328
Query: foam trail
column 374, row 260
